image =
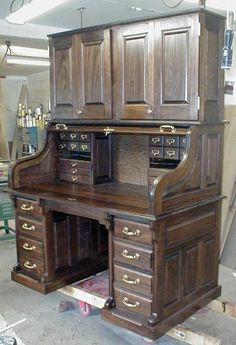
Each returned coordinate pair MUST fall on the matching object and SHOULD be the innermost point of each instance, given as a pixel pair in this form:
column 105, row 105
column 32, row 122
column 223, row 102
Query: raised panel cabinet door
column 176, row 67
column 61, row 75
column 133, row 70
column 92, row 86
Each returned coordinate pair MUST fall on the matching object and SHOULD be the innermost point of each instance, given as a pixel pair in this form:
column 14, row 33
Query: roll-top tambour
column 134, row 231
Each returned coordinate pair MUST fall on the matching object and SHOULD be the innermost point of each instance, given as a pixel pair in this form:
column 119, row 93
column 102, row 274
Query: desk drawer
column 29, row 208
column 132, row 302
column 30, row 247
column 29, row 227
column 72, row 166
column 132, row 255
column 75, row 178
column 31, row 265
column 131, row 279
column 134, row 231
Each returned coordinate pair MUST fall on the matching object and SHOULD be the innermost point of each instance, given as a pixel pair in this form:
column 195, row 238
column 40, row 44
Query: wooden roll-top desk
column 129, row 178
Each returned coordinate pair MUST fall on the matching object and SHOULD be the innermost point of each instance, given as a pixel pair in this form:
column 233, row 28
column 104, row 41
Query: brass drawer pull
column 167, row 128
column 74, row 164
column 62, row 135
column 129, row 304
column 74, row 171
column 129, row 281
column 62, row 146
column 26, row 208
column 74, row 178
column 60, row 126
column 73, row 146
column 155, row 153
column 84, row 136
column 28, row 265
column 170, row 141
column 84, row 147
column 126, row 255
column 73, row 135
column 170, row 153
column 127, row 232
column 155, row 140
column 26, row 247
column 28, row 227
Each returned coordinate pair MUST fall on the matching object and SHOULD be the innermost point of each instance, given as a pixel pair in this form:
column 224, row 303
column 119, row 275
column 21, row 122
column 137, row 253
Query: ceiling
column 66, row 17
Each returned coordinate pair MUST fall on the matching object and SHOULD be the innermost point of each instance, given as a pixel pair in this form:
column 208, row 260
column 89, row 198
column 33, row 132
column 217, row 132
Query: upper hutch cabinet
column 133, row 71
column 62, row 74
column 176, row 67
column 81, row 75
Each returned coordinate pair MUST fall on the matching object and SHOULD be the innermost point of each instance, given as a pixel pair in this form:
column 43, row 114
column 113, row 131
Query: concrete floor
column 46, row 325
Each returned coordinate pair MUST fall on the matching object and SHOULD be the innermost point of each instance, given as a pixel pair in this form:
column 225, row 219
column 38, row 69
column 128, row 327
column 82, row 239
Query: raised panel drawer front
column 31, row 265
column 134, row 231
column 133, row 280
column 29, row 208
column 29, row 227
column 132, row 302
column 30, row 247
column 136, row 256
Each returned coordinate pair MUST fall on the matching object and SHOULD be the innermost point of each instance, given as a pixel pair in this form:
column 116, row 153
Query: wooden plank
column 226, row 308
column 192, row 337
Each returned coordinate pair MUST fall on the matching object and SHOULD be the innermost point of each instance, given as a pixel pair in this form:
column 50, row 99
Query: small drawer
column 84, row 147
column 31, row 265
column 182, row 141
column 30, row 247
column 171, row 140
column 157, row 140
column 85, row 137
column 131, row 279
column 132, row 302
column 28, row 208
column 129, row 230
column 132, row 255
column 171, row 153
column 86, row 179
column 73, row 136
column 67, row 164
column 29, row 227
column 156, row 152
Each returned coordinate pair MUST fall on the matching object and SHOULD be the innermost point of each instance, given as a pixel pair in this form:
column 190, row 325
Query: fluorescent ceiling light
column 33, row 52
column 25, row 60
column 34, row 9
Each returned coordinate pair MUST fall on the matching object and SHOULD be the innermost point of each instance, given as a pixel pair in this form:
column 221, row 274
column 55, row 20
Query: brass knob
column 80, row 112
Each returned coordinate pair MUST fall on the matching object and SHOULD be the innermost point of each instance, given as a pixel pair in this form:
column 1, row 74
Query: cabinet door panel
column 133, row 71
column 92, row 91
column 61, row 77
column 176, row 72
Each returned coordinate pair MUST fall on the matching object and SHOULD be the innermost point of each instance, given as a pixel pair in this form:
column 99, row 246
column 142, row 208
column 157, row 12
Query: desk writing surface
column 109, row 196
